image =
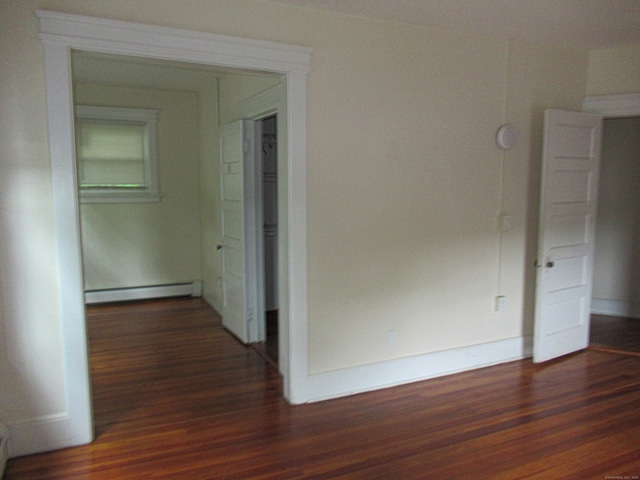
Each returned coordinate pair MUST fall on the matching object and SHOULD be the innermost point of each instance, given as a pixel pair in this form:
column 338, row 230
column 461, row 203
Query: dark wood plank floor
column 177, row 397
column 269, row 348
column 615, row 333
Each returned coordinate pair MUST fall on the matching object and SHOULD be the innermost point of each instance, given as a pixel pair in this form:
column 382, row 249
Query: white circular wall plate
column 506, row 137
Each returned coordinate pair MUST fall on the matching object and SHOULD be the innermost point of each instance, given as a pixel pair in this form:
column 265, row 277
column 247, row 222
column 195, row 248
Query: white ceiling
column 584, row 23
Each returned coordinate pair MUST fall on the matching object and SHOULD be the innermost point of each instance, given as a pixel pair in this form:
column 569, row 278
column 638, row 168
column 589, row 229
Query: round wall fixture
column 506, row 137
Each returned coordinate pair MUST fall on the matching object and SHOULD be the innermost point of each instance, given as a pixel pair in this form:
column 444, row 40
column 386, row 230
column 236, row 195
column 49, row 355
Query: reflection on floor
column 269, row 349
column 615, row 333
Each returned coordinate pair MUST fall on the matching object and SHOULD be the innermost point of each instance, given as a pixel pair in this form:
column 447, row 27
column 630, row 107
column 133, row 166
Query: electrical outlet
column 391, row 338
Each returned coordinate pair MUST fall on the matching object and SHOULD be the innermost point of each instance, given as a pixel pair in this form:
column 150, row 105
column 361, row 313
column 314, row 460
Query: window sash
column 108, row 169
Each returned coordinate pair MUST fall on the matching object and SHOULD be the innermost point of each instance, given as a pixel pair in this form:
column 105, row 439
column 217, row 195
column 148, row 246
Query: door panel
column 238, row 228
column 570, row 171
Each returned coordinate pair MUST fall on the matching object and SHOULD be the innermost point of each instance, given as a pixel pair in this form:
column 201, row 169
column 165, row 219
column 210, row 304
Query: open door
column 239, row 210
column 570, row 173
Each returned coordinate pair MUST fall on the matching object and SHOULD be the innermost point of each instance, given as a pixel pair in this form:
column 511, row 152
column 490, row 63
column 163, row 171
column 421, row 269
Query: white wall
column 141, row 244
column 404, row 183
column 616, row 283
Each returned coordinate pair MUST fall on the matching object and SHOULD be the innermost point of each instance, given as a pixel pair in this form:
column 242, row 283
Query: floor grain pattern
column 615, row 333
column 176, row 397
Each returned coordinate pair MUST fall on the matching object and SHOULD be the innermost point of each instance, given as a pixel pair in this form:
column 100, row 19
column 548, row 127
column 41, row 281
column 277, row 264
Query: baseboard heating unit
column 193, row 289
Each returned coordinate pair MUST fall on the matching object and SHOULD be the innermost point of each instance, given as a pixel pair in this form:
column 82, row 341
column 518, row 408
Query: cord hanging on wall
column 506, row 137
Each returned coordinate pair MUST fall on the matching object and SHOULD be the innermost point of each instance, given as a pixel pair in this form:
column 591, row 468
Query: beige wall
column 158, row 243
column 30, row 346
column 614, row 71
column 617, row 259
column 404, row 181
column 540, row 77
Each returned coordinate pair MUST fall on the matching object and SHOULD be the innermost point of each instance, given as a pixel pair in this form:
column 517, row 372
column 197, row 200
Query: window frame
column 148, row 118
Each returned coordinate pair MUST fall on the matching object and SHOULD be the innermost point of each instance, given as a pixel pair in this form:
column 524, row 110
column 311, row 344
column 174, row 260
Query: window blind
column 111, row 154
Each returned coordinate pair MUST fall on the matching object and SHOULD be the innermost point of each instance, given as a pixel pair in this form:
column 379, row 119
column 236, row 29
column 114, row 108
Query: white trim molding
column 41, row 434
column 61, row 33
column 414, row 369
column 615, row 308
column 154, row 41
column 624, row 105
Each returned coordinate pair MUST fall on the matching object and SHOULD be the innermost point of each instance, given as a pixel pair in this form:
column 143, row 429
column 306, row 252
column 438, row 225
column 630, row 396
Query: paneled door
column 570, row 173
column 239, row 262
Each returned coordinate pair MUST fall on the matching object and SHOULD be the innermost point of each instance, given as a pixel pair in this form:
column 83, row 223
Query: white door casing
column 569, row 192
column 60, row 33
column 239, row 208
column 260, row 106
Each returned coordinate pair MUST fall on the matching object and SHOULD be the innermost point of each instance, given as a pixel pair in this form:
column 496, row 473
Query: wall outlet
column 391, row 338
column 501, row 303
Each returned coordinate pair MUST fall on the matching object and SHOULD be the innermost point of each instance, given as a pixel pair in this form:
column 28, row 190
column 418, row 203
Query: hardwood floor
column 615, row 333
column 177, row 397
column 269, row 348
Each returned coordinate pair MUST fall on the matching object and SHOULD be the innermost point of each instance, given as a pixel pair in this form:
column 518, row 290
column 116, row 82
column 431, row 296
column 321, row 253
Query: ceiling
column 581, row 23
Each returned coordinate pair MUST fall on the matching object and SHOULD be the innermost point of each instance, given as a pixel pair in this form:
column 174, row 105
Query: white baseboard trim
column 4, row 451
column 41, row 434
column 53, row 432
column 616, row 308
column 376, row 376
column 193, row 289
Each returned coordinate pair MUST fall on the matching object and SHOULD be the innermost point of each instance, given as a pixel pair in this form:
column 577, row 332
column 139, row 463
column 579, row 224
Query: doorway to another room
column 615, row 319
column 269, row 181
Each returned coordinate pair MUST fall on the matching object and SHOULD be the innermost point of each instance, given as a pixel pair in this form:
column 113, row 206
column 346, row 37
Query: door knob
column 550, row 264
column 218, row 247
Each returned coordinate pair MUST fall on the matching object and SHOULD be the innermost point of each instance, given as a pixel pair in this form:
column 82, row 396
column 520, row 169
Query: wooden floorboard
column 615, row 333
column 175, row 396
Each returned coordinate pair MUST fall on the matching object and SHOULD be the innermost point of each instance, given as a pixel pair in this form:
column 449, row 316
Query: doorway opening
column 268, row 159
column 141, row 248
column 61, row 34
column 615, row 319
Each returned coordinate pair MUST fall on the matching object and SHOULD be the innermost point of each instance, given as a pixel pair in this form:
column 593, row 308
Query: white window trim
column 150, row 118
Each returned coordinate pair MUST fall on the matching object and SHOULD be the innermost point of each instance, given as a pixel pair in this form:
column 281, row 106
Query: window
column 116, row 154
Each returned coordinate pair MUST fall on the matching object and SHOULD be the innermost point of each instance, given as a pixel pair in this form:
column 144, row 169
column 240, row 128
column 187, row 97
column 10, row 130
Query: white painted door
column 239, row 264
column 570, row 172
